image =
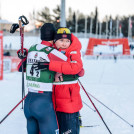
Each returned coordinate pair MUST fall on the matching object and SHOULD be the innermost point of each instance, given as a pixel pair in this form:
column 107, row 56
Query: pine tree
column 70, row 20
column 81, row 22
column 56, row 16
column 45, row 16
column 95, row 20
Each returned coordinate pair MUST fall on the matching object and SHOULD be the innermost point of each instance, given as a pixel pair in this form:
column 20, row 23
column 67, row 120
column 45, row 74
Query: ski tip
column 132, row 126
column 89, row 126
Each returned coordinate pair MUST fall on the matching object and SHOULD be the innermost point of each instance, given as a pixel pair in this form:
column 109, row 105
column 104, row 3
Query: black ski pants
column 40, row 114
column 68, row 123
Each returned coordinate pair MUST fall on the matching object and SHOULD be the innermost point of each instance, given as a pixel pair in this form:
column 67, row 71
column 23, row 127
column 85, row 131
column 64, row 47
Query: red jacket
column 66, row 97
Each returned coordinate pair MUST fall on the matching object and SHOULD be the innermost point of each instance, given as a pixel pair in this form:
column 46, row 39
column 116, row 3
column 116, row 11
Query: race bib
column 32, row 72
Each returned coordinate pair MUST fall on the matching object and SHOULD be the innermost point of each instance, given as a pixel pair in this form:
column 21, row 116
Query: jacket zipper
column 55, row 98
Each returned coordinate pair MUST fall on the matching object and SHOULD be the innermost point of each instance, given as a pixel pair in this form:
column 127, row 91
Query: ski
column 90, row 126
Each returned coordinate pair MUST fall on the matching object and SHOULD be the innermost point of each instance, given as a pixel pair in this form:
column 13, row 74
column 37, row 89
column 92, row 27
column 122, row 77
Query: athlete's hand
column 24, row 55
column 81, row 73
column 41, row 65
column 58, row 77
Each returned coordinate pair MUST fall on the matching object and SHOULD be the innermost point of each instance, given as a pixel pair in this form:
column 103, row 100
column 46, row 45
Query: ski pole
column 110, row 110
column 88, row 106
column 21, row 40
column 12, row 110
column 95, row 107
column 22, row 22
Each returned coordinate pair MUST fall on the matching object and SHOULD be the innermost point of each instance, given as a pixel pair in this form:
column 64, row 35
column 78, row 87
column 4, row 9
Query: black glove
column 40, row 65
column 14, row 27
column 24, row 55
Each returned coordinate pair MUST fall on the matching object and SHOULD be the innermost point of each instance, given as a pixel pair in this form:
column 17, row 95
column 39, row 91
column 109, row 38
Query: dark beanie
column 62, row 32
column 47, row 32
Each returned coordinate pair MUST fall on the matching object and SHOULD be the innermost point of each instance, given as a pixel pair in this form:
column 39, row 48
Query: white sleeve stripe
column 73, row 52
column 59, row 54
column 73, row 61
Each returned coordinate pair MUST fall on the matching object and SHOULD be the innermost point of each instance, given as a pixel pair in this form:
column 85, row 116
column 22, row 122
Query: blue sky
column 12, row 9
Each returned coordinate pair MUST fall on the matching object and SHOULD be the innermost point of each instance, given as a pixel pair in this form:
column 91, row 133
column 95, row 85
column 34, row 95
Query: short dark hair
column 47, row 32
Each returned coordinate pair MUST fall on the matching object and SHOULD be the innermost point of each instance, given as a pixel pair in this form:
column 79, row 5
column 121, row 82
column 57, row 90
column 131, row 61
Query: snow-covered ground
column 111, row 83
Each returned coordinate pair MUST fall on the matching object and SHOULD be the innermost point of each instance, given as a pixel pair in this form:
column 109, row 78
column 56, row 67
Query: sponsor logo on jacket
column 33, row 85
column 36, row 55
column 35, row 60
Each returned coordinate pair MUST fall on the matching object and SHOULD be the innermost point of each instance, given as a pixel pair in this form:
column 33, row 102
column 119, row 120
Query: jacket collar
column 46, row 43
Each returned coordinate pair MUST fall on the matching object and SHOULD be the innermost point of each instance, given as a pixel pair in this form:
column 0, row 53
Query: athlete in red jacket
column 66, row 94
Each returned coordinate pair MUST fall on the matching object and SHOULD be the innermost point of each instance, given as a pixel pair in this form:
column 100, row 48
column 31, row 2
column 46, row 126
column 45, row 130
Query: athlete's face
column 62, row 43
